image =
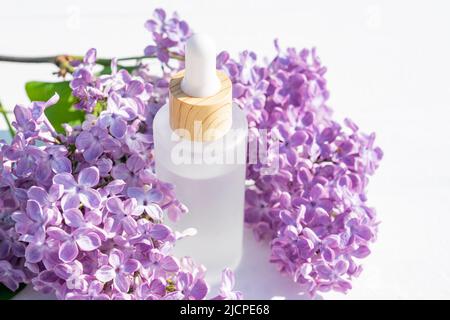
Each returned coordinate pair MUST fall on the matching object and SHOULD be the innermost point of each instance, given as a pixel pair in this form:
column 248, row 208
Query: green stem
column 8, row 123
column 28, row 59
column 101, row 61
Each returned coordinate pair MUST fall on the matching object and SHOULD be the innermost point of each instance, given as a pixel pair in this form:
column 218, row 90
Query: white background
column 389, row 69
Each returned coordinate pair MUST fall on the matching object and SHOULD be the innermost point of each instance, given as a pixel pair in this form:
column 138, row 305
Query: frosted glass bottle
column 213, row 190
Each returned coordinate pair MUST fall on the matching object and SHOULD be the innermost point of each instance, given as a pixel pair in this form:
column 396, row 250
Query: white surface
column 389, row 70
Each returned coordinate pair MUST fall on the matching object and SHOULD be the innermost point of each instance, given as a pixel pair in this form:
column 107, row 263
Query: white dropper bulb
column 200, row 77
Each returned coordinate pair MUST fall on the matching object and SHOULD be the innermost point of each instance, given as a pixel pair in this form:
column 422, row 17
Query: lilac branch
column 56, row 58
column 8, row 123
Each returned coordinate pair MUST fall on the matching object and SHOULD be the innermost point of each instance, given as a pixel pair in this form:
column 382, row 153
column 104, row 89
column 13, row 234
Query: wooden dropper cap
column 200, row 97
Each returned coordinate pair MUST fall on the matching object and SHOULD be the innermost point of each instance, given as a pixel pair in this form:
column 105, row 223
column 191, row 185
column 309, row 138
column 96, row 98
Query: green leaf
column 6, row 294
column 105, row 70
column 63, row 111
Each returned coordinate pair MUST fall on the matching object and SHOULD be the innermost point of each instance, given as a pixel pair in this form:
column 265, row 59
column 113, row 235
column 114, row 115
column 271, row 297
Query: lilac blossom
column 70, row 244
column 227, row 286
column 169, row 35
column 127, row 172
column 146, row 200
column 29, row 119
column 72, row 273
column 24, row 156
column 129, row 97
column 48, row 200
column 94, row 292
column 189, row 287
column 9, row 245
column 94, row 142
column 85, row 85
column 115, row 118
column 119, row 269
column 121, row 215
column 10, row 276
column 137, row 141
column 158, row 261
column 31, row 223
column 80, row 190
column 57, row 160
column 153, row 290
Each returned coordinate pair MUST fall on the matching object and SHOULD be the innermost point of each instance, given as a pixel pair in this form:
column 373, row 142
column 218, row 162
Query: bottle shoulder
column 236, row 135
column 195, row 159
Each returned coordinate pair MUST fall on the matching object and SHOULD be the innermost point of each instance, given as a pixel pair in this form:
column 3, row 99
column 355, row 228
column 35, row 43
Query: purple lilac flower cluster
column 313, row 209
column 82, row 213
column 169, row 36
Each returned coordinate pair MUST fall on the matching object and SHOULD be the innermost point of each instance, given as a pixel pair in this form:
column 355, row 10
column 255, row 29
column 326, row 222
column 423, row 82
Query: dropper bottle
column 200, row 146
